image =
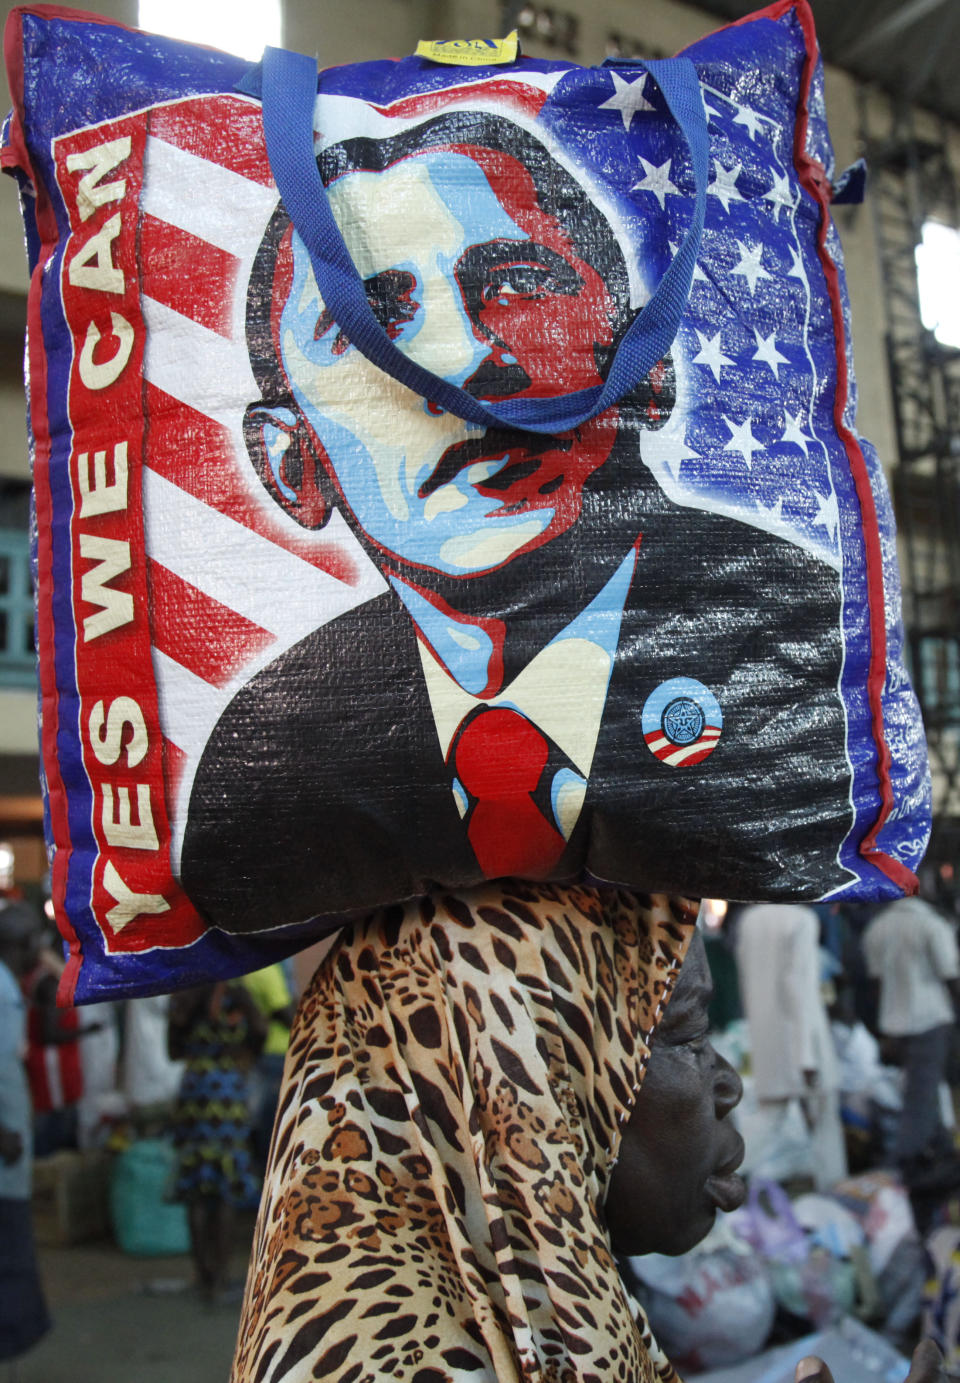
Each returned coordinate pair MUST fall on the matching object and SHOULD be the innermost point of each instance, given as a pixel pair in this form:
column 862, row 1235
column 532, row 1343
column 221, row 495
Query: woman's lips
column 496, row 444
column 727, row 1192
column 724, row 1187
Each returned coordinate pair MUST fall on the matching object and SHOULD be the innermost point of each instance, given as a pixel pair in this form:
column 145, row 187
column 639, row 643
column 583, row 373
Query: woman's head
column 680, row 1151
column 486, row 262
column 459, row 1078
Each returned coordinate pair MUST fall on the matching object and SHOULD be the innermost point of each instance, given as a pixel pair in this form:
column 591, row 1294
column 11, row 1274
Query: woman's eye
column 693, row 1039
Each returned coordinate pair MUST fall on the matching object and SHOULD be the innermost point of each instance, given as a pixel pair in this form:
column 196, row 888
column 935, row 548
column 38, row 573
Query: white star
column 780, row 195
column 750, row 265
column 697, row 271
column 748, row 117
column 742, row 440
column 793, row 432
column 712, row 355
column 768, row 353
column 724, row 184
column 627, row 98
column 657, row 181
column 796, row 270
column 827, row 514
column 661, row 447
column 712, row 112
column 773, row 512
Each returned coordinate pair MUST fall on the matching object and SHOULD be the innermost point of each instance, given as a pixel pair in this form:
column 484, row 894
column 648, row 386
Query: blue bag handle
column 289, row 93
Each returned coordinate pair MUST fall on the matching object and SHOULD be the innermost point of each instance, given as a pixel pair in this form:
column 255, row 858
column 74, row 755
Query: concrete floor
column 138, row 1320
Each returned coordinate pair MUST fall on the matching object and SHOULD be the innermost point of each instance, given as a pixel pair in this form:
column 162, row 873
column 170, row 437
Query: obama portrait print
column 565, row 669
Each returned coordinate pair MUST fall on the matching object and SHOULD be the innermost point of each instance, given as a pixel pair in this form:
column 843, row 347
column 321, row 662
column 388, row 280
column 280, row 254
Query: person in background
column 271, row 994
column 23, row 1311
column 54, row 1058
column 218, row 1031
column 792, row 1050
column 858, row 991
column 911, row 952
column 100, row 1102
column 149, row 1079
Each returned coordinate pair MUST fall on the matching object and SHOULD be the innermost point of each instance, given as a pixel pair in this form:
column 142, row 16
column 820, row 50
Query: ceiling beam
column 899, row 19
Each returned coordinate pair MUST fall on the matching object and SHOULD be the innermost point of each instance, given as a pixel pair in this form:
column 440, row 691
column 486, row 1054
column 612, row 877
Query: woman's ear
column 289, row 469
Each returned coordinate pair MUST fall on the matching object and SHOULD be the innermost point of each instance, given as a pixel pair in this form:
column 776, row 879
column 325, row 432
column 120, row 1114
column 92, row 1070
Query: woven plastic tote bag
column 443, row 472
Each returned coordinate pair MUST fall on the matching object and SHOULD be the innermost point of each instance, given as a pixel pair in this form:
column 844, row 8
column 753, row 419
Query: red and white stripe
column 233, row 580
column 683, row 755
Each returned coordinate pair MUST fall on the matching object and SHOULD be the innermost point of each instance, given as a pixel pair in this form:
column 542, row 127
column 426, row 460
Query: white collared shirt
column 912, row 950
column 562, row 690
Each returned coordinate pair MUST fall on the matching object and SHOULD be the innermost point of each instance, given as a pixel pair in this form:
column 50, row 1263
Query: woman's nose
column 727, row 1087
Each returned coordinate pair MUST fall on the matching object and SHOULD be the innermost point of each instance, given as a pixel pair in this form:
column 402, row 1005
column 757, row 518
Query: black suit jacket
column 323, row 788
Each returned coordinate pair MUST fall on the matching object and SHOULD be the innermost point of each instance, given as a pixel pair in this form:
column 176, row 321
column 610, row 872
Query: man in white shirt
column 792, row 1054
column 912, row 952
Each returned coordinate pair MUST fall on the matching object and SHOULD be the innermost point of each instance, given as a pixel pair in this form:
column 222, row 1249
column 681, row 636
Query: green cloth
column 270, row 992
column 725, row 1006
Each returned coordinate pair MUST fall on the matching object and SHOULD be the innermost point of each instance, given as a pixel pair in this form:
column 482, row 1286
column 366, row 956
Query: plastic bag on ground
column 808, row 1280
column 852, row 1352
column 144, row 1220
column 778, row 1142
column 708, row 1308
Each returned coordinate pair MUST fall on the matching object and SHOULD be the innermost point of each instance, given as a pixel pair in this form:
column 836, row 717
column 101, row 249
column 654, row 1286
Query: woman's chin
column 724, row 1193
column 678, row 1238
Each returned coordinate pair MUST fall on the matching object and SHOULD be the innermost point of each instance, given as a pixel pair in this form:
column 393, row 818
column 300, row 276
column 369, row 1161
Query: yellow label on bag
column 470, row 52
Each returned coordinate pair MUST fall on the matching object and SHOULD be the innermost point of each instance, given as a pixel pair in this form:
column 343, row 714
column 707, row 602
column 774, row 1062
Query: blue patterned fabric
column 212, row 1119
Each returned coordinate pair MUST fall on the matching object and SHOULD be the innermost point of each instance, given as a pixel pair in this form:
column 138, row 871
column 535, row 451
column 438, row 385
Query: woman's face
column 485, row 290
column 680, row 1151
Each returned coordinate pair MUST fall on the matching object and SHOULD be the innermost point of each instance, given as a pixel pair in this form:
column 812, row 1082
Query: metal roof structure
column 909, row 47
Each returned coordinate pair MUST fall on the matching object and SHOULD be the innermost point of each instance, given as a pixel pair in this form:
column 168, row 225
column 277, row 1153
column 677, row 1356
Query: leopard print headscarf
column 458, row 1077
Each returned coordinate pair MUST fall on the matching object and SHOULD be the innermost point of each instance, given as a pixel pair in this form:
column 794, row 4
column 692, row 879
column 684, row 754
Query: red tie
column 499, row 759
